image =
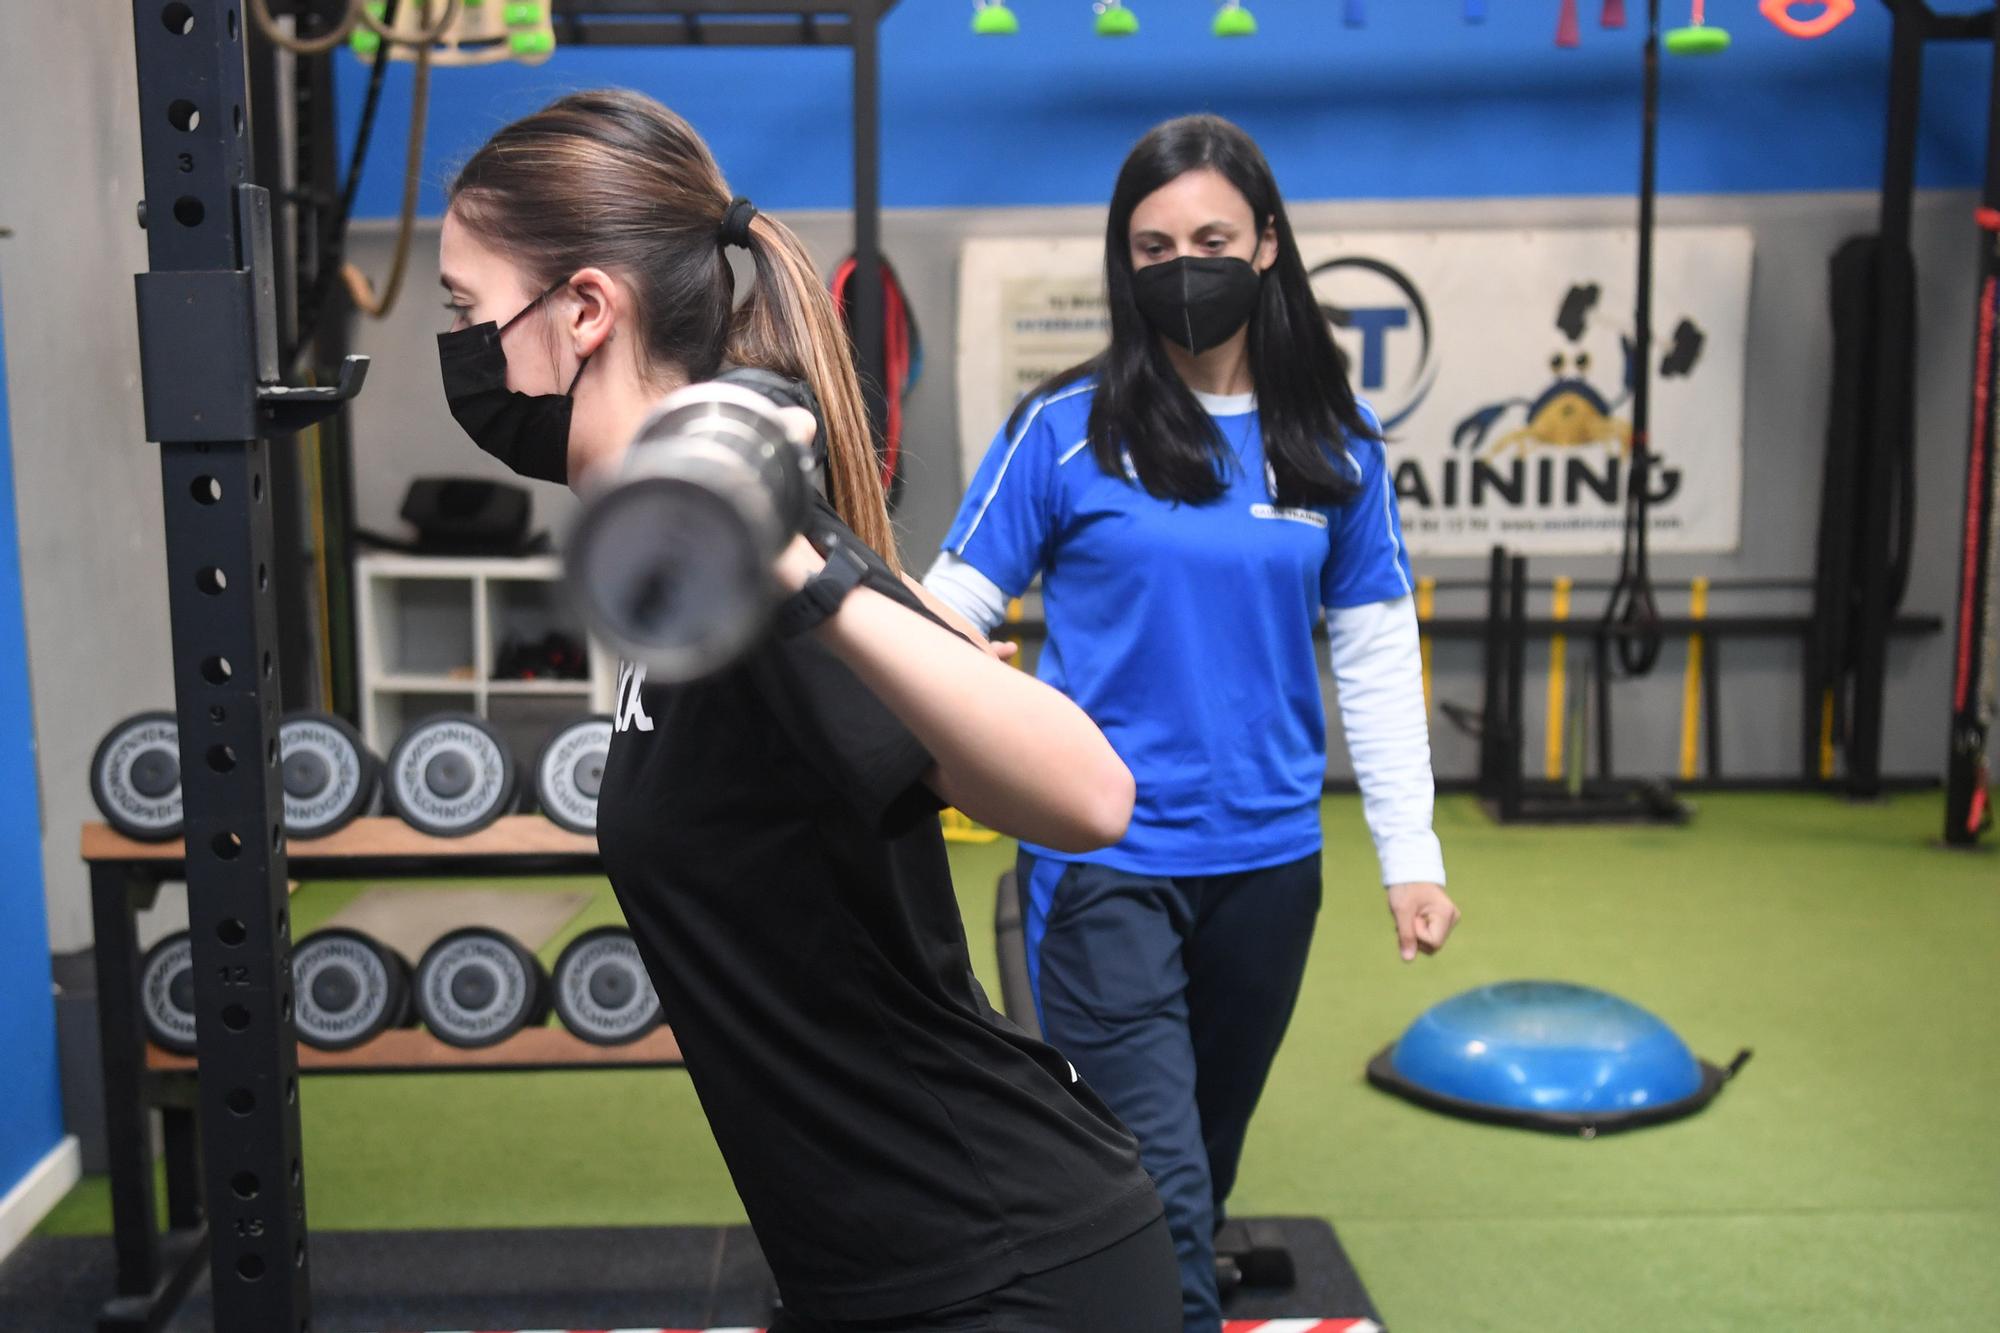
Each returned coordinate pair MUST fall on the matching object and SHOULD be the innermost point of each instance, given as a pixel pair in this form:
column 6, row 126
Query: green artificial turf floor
column 1849, row 1179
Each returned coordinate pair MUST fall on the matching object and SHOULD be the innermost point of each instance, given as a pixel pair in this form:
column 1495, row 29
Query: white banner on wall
column 1497, row 361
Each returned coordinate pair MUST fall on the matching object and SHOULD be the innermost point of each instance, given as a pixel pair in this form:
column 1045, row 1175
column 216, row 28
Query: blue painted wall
column 1416, row 104
column 30, row 1094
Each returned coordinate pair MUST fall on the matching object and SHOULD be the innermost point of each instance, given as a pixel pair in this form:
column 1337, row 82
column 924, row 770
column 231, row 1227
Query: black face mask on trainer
column 527, row 432
column 1199, row 301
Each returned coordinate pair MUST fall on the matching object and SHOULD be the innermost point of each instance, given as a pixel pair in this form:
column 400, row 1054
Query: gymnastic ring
column 1832, row 13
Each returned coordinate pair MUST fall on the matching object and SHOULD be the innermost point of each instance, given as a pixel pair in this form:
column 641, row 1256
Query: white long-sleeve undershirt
column 1378, row 677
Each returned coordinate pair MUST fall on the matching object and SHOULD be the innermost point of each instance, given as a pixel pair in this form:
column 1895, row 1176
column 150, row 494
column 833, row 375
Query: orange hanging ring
column 1832, row 13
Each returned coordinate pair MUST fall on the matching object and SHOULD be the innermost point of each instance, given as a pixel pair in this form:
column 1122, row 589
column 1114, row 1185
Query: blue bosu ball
column 1548, row 1055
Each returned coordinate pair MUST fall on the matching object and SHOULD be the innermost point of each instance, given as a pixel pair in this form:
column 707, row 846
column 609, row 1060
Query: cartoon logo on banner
column 1367, row 300
column 1577, row 408
column 1576, row 416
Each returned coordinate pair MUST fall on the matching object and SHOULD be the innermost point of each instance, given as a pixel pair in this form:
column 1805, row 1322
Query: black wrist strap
column 823, row 593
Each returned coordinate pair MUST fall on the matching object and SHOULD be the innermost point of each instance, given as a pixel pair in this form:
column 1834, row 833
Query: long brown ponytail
column 789, row 325
column 612, row 178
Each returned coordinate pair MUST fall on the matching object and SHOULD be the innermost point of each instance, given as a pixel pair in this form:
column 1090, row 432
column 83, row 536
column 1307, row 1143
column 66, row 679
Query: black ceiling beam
column 576, row 31
column 1963, row 27
column 708, row 22
column 1937, row 27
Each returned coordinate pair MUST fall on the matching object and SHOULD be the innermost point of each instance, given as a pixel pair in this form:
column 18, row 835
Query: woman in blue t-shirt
column 1193, row 499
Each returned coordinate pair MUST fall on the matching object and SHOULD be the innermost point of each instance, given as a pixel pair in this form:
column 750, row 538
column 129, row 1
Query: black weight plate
column 135, row 777
column 602, row 992
column 450, row 775
column 329, row 778
column 347, row 989
column 477, row 986
column 569, row 771
column 166, row 993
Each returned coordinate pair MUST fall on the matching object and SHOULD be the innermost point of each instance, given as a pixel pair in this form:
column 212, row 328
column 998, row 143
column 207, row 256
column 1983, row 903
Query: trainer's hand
column 1424, row 914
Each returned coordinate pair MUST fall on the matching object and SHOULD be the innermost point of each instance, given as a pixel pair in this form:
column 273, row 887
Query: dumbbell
column 330, row 779
column 166, row 993
column 450, row 775
column 602, row 992
column 476, row 986
column 348, row 988
column 135, row 777
column 570, row 769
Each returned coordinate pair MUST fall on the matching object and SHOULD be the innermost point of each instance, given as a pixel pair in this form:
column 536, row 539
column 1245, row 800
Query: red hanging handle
column 1569, row 29
column 896, row 357
column 1614, row 14
column 1832, row 13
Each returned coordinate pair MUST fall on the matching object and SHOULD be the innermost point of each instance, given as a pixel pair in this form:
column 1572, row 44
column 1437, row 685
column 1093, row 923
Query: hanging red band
column 899, row 344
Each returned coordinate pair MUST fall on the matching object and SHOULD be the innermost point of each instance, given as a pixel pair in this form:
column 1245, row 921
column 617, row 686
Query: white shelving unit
column 431, row 630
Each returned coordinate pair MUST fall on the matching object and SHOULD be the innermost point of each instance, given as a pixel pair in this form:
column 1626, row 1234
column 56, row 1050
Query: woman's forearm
column 1011, row 752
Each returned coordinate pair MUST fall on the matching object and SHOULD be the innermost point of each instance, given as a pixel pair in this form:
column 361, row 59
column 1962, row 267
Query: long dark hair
column 1142, row 407
column 615, row 179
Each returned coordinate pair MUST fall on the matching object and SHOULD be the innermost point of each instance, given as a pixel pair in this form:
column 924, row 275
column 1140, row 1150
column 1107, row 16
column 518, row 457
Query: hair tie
column 735, row 227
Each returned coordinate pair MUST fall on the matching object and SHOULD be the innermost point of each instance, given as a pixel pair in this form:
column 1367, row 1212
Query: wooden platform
column 374, row 838
column 513, row 844
column 408, row 1051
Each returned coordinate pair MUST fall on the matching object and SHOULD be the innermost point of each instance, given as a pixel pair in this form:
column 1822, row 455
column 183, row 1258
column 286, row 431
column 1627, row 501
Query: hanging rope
column 359, row 288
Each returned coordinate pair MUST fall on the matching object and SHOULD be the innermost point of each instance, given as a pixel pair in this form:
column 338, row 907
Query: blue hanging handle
column 1357, row 13
column 1475, row 11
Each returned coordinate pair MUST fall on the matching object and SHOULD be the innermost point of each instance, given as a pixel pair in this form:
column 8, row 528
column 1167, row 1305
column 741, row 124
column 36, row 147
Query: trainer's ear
column 1267, row 247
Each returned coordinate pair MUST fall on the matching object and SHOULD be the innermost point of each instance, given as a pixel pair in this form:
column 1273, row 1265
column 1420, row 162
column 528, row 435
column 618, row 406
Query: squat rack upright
column 1868, row 515
column 210, row 370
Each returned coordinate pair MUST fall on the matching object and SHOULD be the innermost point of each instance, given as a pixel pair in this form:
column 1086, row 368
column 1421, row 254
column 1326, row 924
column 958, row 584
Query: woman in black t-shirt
column 910, row 1160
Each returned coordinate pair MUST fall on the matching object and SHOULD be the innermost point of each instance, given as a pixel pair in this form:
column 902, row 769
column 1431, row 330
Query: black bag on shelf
column 468, row 516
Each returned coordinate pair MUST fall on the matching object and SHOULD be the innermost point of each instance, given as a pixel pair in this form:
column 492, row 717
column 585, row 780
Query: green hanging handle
column 1697, row 39
column 992, row 18
column 1233, row 20
column 1114, row 20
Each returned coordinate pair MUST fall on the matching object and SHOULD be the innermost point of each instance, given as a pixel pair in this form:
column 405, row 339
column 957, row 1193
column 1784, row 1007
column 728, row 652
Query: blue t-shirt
column 1185, row 630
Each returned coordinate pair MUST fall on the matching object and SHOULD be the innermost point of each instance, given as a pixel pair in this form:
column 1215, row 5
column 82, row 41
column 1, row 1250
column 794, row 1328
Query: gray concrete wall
column 86, row 483
column 402, row 429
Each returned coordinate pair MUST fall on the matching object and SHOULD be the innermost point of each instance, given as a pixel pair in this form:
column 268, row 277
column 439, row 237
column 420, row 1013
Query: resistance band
column 902, row 362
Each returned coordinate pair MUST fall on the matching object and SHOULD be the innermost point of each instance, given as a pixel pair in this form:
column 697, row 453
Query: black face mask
column 1200, row 301
column 527, row 432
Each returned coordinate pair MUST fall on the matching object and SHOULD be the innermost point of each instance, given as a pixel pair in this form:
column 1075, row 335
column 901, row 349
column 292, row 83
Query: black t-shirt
column 898, row 1144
